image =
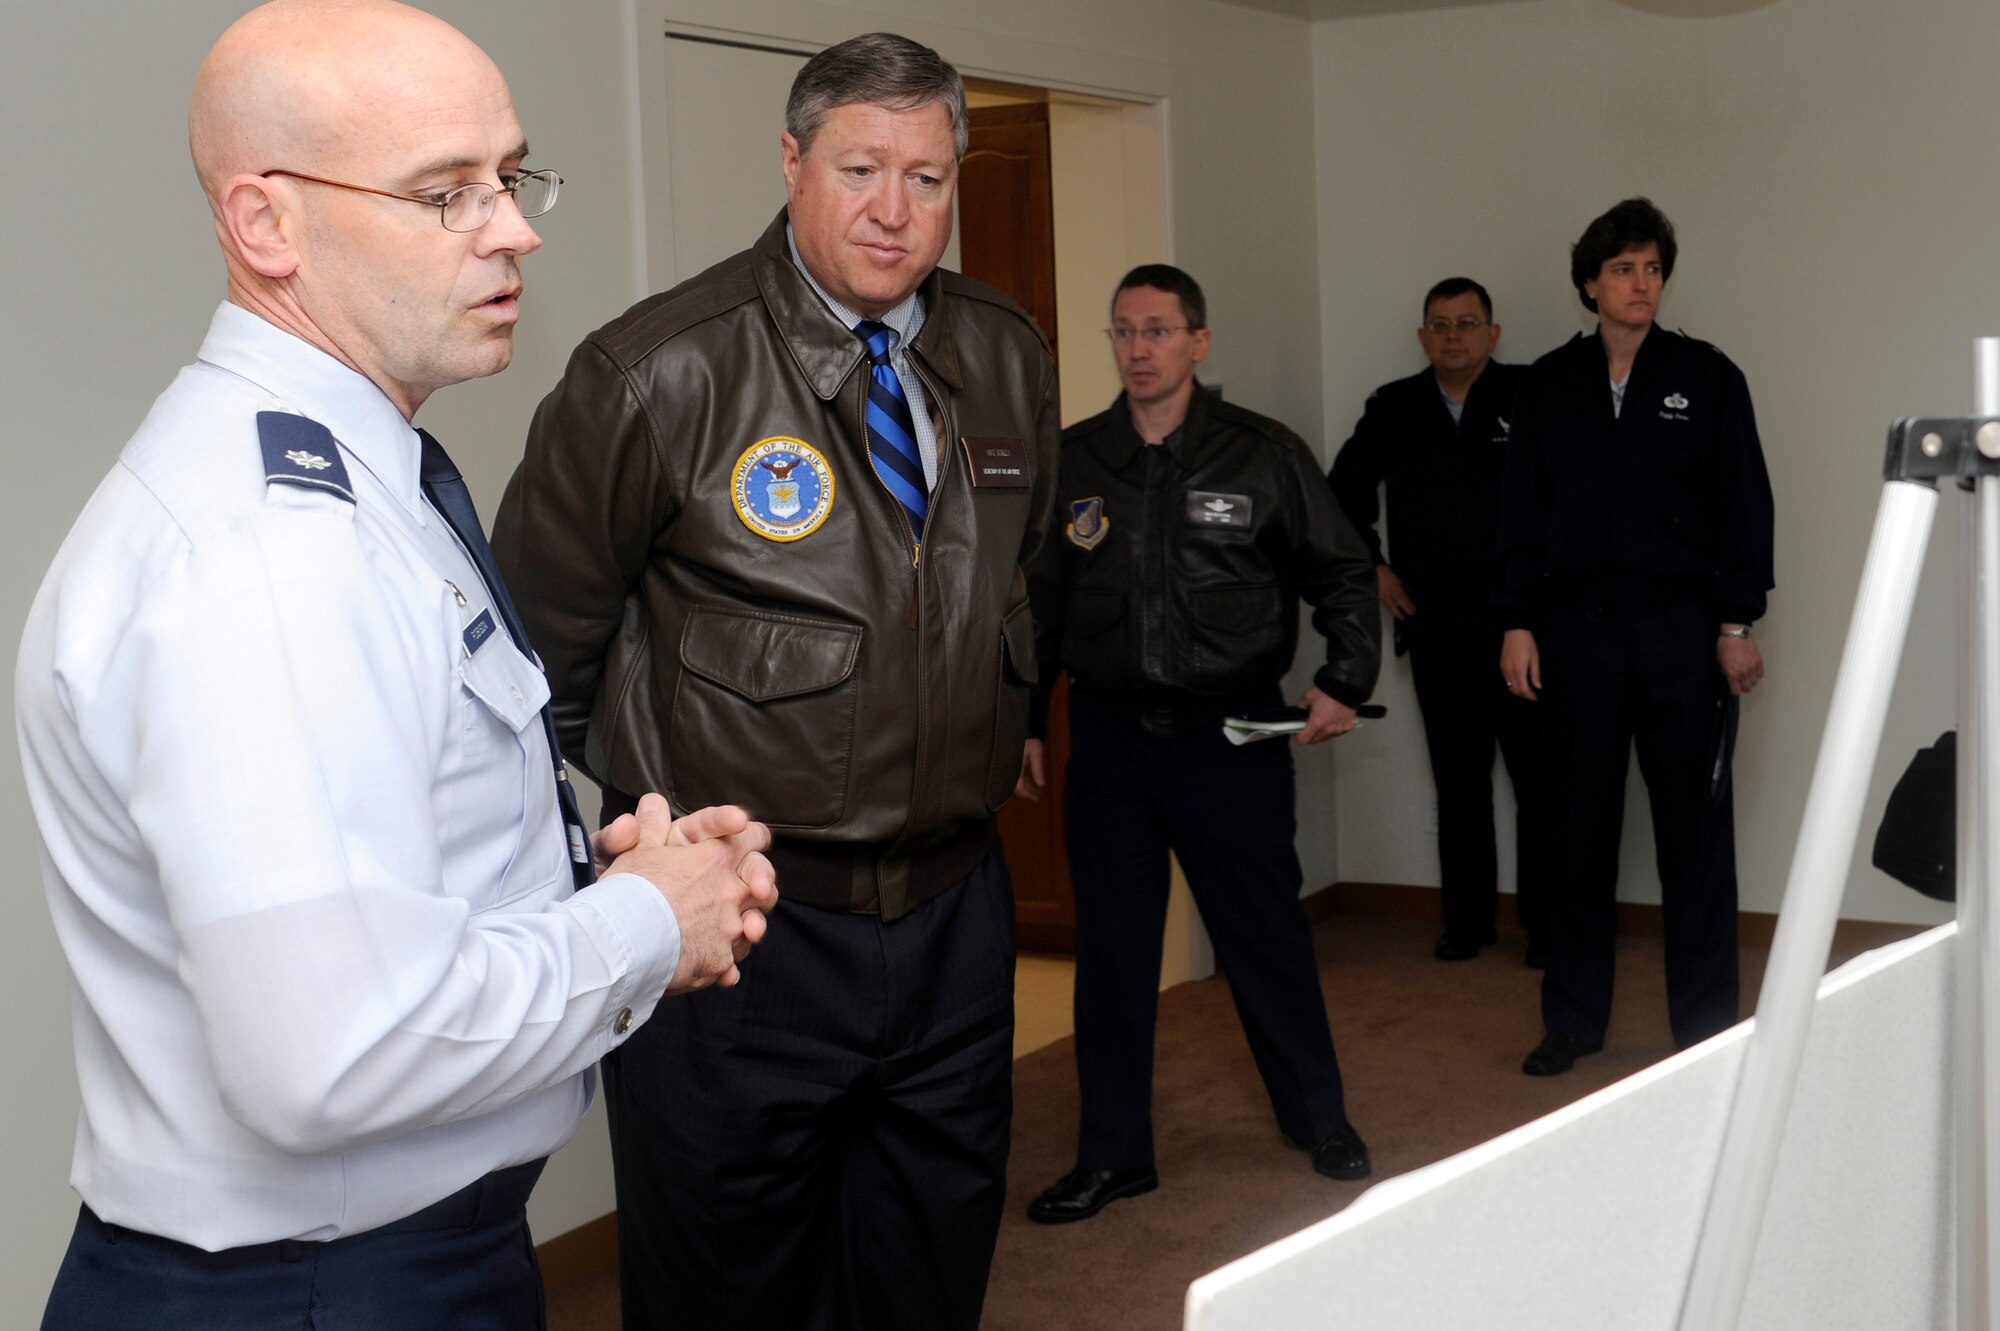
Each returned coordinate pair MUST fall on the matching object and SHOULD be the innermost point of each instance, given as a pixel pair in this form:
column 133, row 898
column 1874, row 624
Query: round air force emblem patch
column 782, row 488
column 1087, row 523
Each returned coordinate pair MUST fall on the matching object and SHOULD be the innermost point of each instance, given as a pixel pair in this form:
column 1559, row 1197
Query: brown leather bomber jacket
column 729, row 604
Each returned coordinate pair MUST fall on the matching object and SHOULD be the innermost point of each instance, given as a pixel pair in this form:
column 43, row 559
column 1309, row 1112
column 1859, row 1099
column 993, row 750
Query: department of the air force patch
column 782, row 488
column 1087, row 523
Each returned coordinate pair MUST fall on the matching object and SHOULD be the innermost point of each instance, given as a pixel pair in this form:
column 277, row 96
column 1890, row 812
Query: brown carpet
column 1431, row 1056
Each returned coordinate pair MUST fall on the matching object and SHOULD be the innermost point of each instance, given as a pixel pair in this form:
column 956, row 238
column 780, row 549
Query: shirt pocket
column 501, row 845
column 506, row 683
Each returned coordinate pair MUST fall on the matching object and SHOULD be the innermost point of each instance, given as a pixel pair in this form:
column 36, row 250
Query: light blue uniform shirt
column 299, row 832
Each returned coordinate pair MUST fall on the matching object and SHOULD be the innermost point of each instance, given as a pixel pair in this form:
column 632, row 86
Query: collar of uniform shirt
column 1457, row 409
column 306, row 379
column 907, row 318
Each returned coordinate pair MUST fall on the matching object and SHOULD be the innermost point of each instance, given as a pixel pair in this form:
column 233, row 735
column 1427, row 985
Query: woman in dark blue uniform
column 1635, row 539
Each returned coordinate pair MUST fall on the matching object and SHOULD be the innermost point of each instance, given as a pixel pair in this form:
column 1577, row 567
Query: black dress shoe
column 1462, row 944
column 1082, row 1193
column 1556, row 1054
column 1537, row 958
column 1342, row 1155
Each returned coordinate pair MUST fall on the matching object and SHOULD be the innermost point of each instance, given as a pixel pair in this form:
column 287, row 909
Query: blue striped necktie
column 892, row 435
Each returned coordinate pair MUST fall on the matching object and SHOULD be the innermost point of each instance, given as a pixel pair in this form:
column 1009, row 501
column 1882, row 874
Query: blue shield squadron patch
column 782, row 488
column 1087, row 523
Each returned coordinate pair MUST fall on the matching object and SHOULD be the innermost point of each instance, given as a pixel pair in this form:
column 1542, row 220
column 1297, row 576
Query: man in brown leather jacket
column 774, row 558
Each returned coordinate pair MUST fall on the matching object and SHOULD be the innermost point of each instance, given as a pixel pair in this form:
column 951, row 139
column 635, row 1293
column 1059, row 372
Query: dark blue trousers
column 1455, row 665
column 824, row 1145
column 467, row 1263
column 1609, row 687
column 1226, row 812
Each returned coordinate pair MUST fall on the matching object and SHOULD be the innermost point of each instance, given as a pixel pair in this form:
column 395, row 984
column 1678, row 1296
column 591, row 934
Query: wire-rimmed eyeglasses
column 1153, row 333
column 468, row 207
column 1465, row 327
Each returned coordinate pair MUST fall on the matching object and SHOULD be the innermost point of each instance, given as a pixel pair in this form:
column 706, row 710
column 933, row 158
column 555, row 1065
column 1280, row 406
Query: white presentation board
column 1586, row 1220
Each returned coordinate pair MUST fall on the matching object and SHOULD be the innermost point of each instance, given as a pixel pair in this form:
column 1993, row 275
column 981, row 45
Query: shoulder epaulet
column 300, row 451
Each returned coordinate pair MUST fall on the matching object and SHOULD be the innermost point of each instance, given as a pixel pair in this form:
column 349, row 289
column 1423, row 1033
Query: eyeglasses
column 1155, row 334
column 1465, row 327
column 468, row 207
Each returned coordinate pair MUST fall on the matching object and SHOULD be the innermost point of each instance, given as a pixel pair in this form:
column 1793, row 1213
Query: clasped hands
column 711, row 869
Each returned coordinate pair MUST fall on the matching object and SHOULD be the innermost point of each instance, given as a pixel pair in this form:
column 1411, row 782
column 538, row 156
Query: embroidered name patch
column 478, row 631
column 997, row 464
column 1087, row 523
column 1205, row 508
column 782, row 488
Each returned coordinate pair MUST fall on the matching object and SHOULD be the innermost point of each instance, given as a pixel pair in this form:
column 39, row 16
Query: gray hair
column 880, row 69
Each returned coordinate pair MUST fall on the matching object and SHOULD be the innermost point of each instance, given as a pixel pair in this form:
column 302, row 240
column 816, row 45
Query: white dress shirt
column 299, row 831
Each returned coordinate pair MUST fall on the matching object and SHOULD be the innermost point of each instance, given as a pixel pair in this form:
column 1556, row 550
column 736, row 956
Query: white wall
column 1104, row 168
column 1825, row 164
column 110, row 275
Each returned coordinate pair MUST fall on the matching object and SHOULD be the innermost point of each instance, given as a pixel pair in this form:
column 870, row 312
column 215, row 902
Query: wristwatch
column 1742, row 631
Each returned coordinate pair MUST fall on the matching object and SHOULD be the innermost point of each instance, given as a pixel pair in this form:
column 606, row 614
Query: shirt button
column 515, row 690
column 624, row 1022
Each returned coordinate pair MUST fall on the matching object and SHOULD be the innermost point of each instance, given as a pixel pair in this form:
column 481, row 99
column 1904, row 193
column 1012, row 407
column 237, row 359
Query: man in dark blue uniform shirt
column 1193, row 530
column 1635, row 540
column 1437, row 439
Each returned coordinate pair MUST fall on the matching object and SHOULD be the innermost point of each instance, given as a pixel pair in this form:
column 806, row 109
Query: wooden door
column 1006, row 226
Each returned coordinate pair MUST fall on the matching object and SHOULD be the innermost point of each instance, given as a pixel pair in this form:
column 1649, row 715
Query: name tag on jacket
column 998, row 464
column 1206, row 508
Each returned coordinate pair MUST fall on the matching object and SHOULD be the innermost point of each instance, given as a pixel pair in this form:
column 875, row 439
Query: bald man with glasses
column 343, row 961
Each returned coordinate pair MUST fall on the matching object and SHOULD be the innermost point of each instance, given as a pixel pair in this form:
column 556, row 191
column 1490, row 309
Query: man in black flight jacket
column 1635, row 546
column 1438, row 439
column 1192, row 530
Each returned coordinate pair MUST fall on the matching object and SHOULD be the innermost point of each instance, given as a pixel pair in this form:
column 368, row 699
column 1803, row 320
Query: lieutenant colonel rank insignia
column 782, row 488
column 300, row 451
column 1087, row 523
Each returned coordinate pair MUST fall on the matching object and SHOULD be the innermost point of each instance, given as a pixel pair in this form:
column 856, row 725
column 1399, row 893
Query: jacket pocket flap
column 1018, row 632
column 765, row 657
column 1092, row 612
